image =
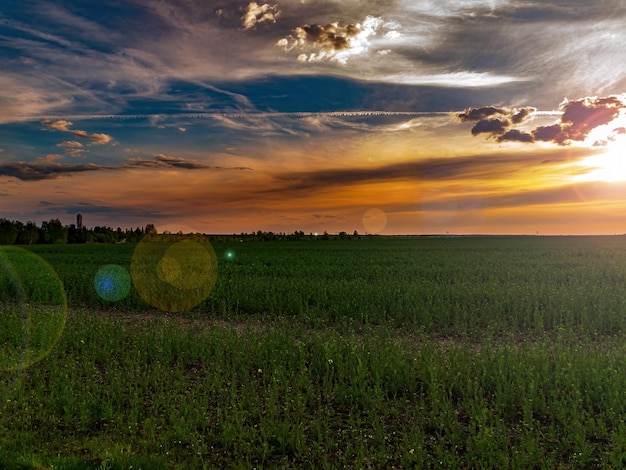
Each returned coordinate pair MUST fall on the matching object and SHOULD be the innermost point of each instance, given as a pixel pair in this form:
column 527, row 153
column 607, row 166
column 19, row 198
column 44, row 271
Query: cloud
column 521, row 115
column 64, row 126
column 44, row 169
column 515, row 135
column 256, row 13
column 47, row 167
column 497, row 121
column 23, row 95
column 71, row 144
column 113, row 211
column 580, row 118
column 60, row 125
column 72, row 148
column 99, row 139
column 166, row 161
column 49, row 158
column 491, row 126
column 477, row 114
column 576, row 122
column 466, row 168
column 333, row 41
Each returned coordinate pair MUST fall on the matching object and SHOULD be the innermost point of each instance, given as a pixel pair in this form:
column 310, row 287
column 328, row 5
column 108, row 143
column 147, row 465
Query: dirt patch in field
column 409, row 338
column 158, row 319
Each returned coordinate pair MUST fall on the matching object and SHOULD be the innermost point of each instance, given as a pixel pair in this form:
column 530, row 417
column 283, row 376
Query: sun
column 610, row 165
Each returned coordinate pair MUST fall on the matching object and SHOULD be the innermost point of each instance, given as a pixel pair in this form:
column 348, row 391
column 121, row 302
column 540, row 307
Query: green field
column 476, row 352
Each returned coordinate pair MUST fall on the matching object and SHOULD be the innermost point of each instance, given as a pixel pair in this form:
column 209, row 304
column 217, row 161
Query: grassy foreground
column 511, row 356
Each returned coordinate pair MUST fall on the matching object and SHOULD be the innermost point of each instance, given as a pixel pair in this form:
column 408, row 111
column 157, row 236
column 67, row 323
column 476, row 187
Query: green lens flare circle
column 174, row 272
column 33, row 306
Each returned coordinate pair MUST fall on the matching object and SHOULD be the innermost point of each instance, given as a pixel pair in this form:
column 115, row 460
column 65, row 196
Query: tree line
column 53, row 231
column 14, row 232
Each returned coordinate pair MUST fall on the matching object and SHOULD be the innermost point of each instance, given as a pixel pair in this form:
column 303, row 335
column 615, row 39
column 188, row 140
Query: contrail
column 245, row 115
column 240, row 114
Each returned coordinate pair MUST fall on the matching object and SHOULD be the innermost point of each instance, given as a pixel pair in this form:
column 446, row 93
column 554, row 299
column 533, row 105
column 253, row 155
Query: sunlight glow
column 609, row 166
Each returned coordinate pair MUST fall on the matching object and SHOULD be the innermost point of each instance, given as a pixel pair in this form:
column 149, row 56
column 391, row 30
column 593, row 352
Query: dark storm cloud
column 579, row 118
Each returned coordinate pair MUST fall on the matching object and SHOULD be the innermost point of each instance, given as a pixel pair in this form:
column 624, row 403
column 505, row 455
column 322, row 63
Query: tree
column 53, row 231
column 28, row 234
column 8, row 232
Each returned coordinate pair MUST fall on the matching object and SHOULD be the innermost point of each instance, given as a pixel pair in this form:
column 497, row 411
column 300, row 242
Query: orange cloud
column 64, row 126
column 49, row 158
column 71, row 144
column 60, row 125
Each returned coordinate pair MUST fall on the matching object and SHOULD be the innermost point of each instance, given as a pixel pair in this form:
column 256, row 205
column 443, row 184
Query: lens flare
column 112, row 282
column 34, row 309
column 374, row 220
column 174, row 272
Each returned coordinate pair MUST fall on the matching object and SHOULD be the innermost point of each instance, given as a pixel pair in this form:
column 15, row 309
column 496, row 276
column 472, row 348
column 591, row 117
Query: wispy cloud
column 468, row 167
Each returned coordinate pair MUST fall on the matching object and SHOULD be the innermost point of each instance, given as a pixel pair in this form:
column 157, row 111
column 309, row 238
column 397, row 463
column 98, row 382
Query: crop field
column 424, row 352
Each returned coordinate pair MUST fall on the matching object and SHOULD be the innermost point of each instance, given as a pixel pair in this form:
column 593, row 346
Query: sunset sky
column 391, row 117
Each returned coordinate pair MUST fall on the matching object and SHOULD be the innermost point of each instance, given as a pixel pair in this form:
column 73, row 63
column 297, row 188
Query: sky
column 395, row 117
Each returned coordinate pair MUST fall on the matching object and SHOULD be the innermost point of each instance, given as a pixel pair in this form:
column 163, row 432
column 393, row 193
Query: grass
column 427, row 353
